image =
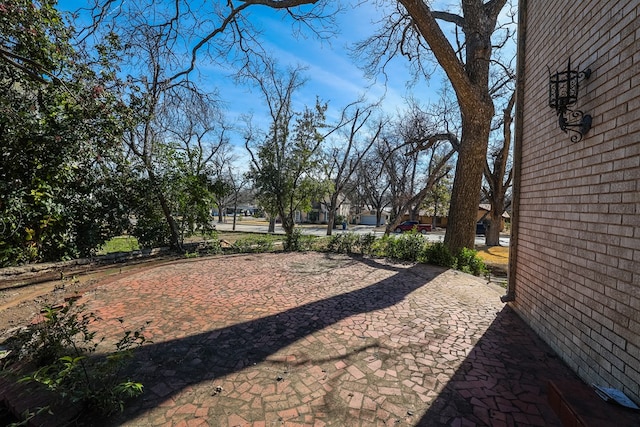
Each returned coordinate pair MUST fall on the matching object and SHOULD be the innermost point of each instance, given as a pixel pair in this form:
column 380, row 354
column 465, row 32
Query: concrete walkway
column 324, row 340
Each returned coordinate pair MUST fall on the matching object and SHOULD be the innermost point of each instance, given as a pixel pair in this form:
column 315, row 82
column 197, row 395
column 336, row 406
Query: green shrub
column 61, row 350
column 306, row 243
column 298, row 242
column 194, row 254
column 119, row 244
column 438, row 254
column 468, row 261
column 213, row 246
column 366, row 242
column 407, row 247
column 253, row 244
column 411, row 247
column 380, row 246
column 344, row 243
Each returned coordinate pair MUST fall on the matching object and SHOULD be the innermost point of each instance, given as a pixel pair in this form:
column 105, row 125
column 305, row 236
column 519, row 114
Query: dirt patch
column 22, row 299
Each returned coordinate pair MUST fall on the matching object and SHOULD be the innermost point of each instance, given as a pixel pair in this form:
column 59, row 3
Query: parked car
column 410, row 225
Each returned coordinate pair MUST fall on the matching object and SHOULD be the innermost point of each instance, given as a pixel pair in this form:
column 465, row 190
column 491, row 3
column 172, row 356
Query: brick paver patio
column 324, row 340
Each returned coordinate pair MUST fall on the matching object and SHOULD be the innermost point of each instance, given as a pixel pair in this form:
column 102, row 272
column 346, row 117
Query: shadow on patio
column 311, row 339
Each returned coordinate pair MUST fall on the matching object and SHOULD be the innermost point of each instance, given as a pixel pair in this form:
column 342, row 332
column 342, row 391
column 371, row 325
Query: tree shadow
column 223, row 351
column 503, row 380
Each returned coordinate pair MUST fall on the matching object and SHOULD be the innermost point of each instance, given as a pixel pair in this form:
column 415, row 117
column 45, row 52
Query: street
column 259, row 226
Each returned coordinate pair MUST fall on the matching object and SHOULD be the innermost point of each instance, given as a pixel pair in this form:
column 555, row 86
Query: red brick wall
column 577, row 279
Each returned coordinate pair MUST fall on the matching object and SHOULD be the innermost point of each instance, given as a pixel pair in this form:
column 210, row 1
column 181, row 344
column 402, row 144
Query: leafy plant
column 119, row 244
column 62, row 348
column 468, row 261
column 344, row 243
column 298, row 242
column 380, row 246
column 253, row 244
column 61, row 193
column 213, row 246
column 407, row 247
column 366, row 242
column 437, row 253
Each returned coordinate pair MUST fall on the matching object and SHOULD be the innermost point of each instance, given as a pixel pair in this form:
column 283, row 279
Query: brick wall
column 577, row 279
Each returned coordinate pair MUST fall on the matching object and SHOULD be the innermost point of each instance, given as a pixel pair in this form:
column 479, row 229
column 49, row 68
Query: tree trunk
column 492, row 234
column 332, row 213
column 173, row 226
column 330, row 220
column 415, row 213
column 166, row 211
column 288, row 225
column 467, row 184
column 272, row 224
column 235, row 213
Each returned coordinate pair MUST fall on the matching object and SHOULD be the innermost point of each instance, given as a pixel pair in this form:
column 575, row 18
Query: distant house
column 241, row 210
column 574, row 272
column 368, row 217
column 483, row 215
column 319, row 213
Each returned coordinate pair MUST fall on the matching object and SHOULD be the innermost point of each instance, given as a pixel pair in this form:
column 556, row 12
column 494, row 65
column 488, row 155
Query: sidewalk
column 324, row 340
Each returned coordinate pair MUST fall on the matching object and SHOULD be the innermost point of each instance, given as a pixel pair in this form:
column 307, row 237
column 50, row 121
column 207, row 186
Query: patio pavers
column 310, row 339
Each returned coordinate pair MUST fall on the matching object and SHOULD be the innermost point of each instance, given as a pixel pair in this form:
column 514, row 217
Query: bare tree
column 437, row 168
column 346, row 155
column 371, row 184
column 411, row 29
column 218, row 32
column 498, row 176
column 178, row 136
column 416, row 161
column 237, row 183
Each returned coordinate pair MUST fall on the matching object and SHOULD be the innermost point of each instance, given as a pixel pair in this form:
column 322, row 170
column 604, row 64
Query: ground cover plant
column 119, row 244
column 60, row 355
column 254, row 244
column 411, row 247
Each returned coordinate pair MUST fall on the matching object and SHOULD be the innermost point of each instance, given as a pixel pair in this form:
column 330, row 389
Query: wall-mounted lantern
column 563, row 93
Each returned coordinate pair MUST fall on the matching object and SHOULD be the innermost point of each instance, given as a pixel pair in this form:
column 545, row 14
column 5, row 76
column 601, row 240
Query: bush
column 366, row 242
column 213, row 246
column 253, row 244
column 297, row 242
column 468, row 261
column 60, row 350
column 407, row 247
column 410, row 247
column 438, row 254
column 380, row 247
column 344, row 243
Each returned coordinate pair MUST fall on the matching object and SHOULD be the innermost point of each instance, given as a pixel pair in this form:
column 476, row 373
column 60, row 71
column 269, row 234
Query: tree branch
column 449, row 17
column 441, row 48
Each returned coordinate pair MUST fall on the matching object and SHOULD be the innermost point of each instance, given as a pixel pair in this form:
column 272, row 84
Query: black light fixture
column 563, row 93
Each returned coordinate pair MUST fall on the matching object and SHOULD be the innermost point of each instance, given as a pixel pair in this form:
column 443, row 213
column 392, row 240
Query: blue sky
column 332, row 74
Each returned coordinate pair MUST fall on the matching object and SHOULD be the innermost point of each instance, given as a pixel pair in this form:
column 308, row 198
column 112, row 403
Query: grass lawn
column 130, row 243
column 119, row 244
column 495, row 256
